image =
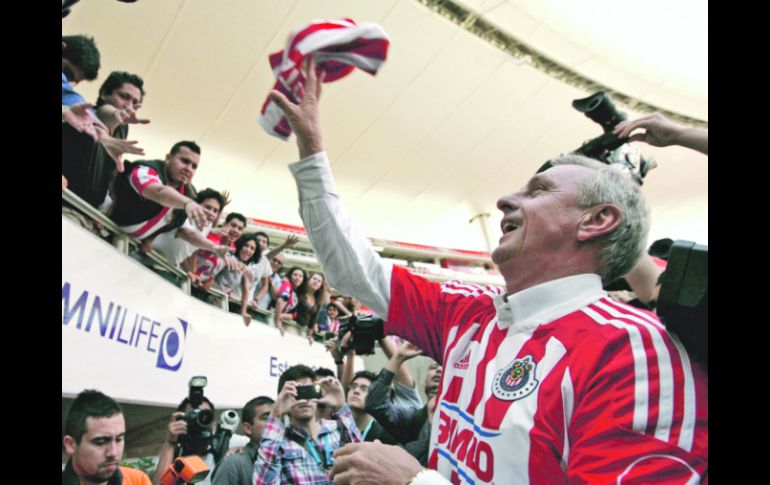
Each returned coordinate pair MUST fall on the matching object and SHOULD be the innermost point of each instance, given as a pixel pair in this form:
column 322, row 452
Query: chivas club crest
column 515, row 381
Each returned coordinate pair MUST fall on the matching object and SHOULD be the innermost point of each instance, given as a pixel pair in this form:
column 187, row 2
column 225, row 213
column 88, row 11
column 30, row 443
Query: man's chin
column 104, row 474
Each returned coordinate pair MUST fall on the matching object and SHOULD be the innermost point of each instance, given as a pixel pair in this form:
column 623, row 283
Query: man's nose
column 507, row 203
column 112, row 450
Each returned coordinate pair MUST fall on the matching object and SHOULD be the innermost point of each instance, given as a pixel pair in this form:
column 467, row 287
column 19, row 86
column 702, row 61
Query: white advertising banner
column 138, row 338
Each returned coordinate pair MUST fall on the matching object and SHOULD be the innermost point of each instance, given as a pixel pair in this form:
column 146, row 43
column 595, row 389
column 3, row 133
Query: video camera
column 608, row 148
column 683, row 298
column 199, row 440
column 365, row 331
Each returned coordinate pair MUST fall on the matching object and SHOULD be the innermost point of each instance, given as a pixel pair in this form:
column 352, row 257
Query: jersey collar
column 548, row 301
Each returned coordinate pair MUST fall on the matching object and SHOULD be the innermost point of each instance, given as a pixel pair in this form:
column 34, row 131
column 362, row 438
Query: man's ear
column 70, row 444
column 246, row 428
column 598, row 221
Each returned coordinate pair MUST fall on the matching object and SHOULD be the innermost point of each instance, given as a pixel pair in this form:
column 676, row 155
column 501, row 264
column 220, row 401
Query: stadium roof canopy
column 474, row 97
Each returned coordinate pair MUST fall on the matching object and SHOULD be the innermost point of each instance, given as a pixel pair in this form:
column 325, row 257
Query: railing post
column 121, row 243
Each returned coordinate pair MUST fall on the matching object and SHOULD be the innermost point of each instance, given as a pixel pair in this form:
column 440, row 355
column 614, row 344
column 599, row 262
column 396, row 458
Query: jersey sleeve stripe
column 458, row 285
column 568, row 405
column 688, row 424
column 641, row 386
column 143, row 176
column 635, row 311
column 474, row 294
column 665, row 370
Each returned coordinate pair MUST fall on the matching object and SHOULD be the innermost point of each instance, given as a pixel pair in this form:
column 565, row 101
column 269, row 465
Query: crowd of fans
column 155, row 202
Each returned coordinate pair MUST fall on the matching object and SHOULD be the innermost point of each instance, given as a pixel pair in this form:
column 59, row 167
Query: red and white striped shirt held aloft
column 339, row 46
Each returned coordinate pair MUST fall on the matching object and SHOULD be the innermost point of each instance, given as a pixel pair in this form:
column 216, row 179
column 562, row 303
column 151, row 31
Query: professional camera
column 608, row 148
column 365, row 331
column 683, row 298
column 198, row 437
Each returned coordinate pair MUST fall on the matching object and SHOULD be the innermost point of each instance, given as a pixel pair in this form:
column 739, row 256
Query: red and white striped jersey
column 141, row 178
column 559, row 384
column 209, row 264
column 555, row 384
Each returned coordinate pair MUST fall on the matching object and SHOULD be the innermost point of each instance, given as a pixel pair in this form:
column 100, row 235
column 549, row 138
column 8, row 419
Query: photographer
column 660, row 132
column 177, row 432
column 302, row 451
column 238, row 469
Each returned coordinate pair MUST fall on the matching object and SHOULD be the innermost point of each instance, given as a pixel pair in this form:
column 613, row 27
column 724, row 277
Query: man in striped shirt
column 545, row 381
column 148, row 191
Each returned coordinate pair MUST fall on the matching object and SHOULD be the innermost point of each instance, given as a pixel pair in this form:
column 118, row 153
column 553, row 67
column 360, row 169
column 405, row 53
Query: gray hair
column 621, row 249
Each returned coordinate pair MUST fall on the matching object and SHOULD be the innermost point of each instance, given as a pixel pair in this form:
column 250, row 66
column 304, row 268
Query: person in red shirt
column 546, row 380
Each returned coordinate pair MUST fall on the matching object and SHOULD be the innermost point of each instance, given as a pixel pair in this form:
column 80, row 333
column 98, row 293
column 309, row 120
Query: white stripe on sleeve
column 665, row 371
column 641, row 385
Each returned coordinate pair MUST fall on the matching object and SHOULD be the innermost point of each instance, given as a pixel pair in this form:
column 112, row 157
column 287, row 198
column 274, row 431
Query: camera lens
column 204, row 418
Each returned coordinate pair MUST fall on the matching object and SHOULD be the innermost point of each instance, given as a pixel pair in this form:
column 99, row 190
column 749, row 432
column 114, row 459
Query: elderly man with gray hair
column 545, row 381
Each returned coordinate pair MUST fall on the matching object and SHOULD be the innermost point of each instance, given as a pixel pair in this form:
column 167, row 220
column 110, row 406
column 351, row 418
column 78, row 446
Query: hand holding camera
column 333, row 394
column 285, row 400
column 176, row 427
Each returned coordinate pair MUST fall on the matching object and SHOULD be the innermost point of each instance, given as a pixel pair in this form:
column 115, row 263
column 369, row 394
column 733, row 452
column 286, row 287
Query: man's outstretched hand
column 116, row 147
column 304, row 117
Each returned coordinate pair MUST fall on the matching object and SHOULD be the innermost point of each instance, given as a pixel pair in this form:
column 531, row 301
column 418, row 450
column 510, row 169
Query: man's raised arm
column 346, row 256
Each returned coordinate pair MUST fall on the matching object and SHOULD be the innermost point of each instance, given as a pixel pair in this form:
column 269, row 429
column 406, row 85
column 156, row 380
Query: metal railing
column 123, row 242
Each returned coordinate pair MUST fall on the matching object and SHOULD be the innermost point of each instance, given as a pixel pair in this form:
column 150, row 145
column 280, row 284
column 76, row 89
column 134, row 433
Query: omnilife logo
column 87, row 312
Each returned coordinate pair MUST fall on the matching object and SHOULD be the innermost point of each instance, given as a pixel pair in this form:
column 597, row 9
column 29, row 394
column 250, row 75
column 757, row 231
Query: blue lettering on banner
column 108, row 320
column 277, row 368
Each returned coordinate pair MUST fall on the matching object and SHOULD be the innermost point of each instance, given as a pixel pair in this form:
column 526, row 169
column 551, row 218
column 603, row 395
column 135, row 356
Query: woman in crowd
column 286, row 303
column 309, row 301
column 329, row 320
column 235, row 283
